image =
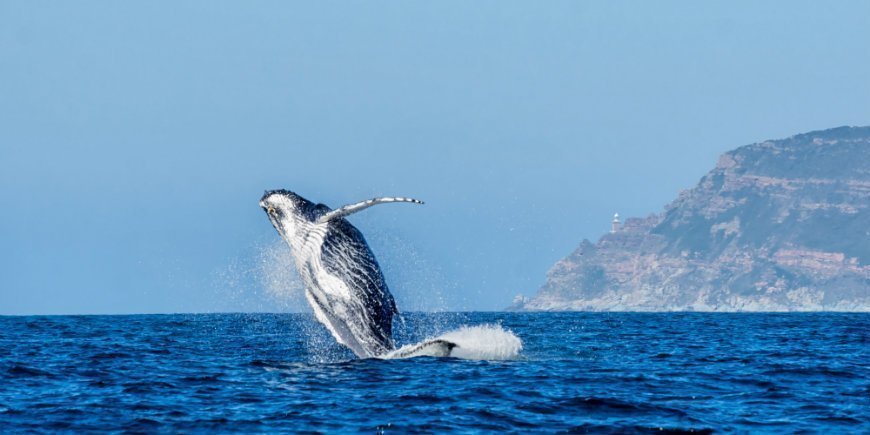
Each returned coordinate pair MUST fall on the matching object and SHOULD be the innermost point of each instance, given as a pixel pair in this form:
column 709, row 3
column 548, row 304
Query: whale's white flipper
column 437, row 347
column 362, row 205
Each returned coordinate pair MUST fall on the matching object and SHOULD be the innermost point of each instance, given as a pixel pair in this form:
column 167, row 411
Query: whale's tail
column 480, row 342
column 436, row 347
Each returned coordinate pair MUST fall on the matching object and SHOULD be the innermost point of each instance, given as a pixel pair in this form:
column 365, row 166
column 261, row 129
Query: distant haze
column 136, row 138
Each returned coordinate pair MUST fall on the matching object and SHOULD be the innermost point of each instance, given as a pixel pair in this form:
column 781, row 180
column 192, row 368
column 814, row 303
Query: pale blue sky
column 137, row 137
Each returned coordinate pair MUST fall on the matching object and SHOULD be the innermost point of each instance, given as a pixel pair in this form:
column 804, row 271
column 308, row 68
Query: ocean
column 576, row 372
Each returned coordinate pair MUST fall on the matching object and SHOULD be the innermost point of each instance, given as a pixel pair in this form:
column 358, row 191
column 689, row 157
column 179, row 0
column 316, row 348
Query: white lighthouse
column 614, row 225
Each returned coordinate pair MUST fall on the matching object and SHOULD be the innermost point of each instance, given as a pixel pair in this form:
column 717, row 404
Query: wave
column 481, row 342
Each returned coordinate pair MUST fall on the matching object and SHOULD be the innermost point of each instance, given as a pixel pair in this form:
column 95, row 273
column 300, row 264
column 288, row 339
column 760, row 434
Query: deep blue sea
column 577, row 372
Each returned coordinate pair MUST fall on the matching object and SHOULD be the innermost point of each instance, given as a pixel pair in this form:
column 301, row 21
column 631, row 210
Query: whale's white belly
column 329, row 295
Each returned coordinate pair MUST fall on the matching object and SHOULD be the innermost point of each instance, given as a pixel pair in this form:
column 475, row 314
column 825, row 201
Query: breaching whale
column 343, row 281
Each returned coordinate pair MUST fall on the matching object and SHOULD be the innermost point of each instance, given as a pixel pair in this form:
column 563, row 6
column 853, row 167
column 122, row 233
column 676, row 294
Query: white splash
column 481, row 342
column 276, row 272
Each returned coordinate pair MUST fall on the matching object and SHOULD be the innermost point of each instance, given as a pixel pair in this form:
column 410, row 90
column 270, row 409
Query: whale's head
column 289, row 213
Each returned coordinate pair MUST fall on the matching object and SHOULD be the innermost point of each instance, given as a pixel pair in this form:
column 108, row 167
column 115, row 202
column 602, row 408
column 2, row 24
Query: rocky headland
column 781, row 225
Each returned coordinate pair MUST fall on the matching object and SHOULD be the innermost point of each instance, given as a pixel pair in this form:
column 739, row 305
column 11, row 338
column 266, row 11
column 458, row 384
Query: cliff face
column 775, row 226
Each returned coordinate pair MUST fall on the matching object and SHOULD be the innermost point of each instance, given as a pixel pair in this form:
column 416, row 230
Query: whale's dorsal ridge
column 362, row 205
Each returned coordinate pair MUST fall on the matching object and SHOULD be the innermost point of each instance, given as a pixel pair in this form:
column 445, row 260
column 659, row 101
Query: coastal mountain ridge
column 780, row 225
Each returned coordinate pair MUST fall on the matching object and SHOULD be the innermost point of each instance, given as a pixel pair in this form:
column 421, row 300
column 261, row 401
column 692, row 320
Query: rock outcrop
column 776, row 226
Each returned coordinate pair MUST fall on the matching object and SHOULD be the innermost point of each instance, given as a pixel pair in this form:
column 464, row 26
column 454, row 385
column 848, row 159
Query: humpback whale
column 343, row 281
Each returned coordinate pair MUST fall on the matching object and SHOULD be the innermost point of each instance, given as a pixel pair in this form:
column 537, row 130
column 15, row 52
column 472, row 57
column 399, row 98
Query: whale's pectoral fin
column 353, row 208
